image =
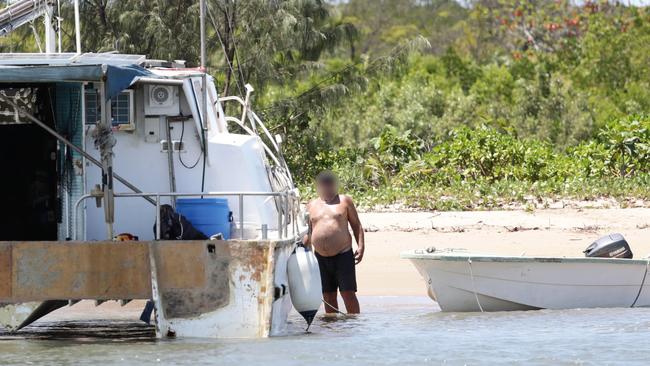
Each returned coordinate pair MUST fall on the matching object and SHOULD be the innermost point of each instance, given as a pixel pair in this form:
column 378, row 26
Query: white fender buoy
column 304, row 283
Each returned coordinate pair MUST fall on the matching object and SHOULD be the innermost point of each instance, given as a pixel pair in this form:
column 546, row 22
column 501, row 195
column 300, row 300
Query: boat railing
column 288, row 207
column 256, row 127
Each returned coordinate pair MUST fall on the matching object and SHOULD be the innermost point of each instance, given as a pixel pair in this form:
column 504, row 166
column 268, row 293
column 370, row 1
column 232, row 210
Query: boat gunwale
column 460, row 256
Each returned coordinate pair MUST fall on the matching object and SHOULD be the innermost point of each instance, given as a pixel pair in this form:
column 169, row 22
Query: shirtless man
column 329, row 215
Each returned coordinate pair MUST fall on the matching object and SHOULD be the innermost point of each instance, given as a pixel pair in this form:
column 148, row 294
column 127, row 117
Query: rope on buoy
column 645, row 274
column 471, row 274
column 334, row 307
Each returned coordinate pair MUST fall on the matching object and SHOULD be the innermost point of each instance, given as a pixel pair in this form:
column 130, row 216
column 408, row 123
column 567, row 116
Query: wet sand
column 551, row 232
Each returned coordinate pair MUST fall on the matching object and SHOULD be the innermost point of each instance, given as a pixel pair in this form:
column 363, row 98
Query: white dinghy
column 461, row 281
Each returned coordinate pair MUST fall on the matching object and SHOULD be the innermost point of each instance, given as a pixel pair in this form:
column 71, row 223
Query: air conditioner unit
column 161, row 100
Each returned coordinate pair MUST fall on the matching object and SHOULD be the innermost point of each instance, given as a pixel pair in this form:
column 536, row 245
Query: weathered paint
column 204, row 288
column 177, row 285
column 12, row 315
column 5, row 271
column 39, row 271
column 280, row 306
column 73, row 270
column 251, row 268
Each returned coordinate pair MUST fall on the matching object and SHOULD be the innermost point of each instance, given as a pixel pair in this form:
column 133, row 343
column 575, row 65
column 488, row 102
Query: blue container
column 208, row 215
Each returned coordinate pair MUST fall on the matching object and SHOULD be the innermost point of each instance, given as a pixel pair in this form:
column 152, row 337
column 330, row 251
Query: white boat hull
column 463, row 282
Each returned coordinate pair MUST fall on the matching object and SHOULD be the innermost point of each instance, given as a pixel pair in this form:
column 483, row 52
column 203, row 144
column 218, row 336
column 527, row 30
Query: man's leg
column 331, row 302
column 328, row 283
column 347, row 281
column 351, row 302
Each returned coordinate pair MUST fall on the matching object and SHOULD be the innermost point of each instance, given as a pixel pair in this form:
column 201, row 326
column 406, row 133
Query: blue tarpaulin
column 117, row 78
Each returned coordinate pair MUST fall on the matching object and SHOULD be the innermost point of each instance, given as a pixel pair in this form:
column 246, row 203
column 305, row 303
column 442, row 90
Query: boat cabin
column 126, row 136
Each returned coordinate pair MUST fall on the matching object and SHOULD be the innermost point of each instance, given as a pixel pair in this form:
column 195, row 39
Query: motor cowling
column 304, row 283
column 609, row 246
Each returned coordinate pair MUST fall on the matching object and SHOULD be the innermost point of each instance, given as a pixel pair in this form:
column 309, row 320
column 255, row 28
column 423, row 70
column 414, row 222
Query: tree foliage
column 405, row 97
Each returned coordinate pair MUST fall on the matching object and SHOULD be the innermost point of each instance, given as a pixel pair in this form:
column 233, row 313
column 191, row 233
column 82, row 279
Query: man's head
column 326, row 185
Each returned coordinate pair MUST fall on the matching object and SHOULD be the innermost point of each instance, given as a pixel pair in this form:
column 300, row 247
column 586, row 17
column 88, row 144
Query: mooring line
column 645, row 274
column 334, row 307
column 471, row 274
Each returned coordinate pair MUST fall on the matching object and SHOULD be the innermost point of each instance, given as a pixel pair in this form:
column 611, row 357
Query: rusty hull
column 237, row 300
column 229, row 284
column 39, row 271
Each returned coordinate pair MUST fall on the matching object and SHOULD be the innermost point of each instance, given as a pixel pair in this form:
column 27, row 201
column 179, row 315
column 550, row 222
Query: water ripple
column 391, row 331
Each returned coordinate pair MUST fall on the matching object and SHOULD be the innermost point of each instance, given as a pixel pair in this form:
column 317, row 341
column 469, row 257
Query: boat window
column 92, row 106
column 122, row 111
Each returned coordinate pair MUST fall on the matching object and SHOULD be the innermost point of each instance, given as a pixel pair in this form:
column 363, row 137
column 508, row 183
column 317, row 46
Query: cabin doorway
column 28, row 161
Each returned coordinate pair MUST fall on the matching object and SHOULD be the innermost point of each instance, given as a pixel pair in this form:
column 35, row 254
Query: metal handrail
column 266, row 131
column 284, row 218
column 255, row 121
column 252, row 116
column 252, row 133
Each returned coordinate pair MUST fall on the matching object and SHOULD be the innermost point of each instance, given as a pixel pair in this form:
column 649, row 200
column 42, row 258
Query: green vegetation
column 483, row 167
column 422, row 102
column 549, row 104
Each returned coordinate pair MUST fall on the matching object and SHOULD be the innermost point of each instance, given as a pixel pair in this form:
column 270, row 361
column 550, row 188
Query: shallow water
column 392, row 331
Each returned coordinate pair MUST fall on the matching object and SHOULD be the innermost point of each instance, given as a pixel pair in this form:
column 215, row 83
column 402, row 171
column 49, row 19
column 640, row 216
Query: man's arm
column 307, row 238
column 357, row 229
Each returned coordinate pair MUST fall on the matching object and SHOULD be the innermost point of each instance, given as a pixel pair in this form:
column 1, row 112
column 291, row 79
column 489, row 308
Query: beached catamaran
column 98, row 147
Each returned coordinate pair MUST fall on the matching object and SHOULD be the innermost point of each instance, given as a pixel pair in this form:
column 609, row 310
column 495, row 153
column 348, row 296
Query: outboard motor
column 610, row 246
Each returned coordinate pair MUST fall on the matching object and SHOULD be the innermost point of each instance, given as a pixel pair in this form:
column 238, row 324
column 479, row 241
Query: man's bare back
column 329, row 225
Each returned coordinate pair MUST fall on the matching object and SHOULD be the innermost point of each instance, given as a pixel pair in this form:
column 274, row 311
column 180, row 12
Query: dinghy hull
column 462, row 282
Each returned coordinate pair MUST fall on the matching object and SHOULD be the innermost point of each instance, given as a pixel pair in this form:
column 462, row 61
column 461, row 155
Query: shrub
column 487, row 167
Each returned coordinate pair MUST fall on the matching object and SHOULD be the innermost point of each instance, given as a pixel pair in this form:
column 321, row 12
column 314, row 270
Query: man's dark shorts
column 337, row 272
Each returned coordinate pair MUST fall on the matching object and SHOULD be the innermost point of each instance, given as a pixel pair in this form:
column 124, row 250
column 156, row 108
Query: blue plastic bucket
column 208, row 215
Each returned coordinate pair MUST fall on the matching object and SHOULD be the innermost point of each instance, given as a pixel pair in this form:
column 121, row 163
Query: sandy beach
column 551, row 232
